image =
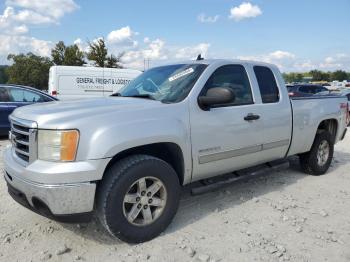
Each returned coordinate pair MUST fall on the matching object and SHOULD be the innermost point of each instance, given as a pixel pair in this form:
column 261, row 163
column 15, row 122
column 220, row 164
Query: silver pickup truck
column 126, row 157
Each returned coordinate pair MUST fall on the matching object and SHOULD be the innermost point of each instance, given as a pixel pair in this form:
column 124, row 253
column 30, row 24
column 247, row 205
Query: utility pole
column 146, row 62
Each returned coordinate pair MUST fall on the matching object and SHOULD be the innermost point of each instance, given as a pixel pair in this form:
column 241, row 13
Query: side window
column 267, row 84
column 32, row 97
column 16, row 95
column 4, row 95
column 304, row 89
column 234, row 77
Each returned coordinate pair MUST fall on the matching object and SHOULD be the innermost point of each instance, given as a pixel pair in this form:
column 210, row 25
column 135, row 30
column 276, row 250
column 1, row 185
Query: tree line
column 33, row 70
column 317, row 76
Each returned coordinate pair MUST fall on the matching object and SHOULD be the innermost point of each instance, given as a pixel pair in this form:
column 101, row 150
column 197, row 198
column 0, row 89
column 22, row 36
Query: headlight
column 58, row 145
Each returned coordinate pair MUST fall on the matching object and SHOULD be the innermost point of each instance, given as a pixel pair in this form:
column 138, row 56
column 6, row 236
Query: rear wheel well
column 168, row 152
column 329, row 125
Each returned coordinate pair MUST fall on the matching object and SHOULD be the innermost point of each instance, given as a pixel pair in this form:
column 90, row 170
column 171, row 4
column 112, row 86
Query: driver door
column 223, row 139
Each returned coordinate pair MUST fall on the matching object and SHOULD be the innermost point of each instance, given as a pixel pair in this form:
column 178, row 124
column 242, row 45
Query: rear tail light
column 54, row 93
column 291, row 94
column 346, row 107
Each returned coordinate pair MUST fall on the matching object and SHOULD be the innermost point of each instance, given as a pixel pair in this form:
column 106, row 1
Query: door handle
column 251, row 117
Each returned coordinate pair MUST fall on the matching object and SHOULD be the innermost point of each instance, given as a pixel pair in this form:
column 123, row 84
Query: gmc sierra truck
column 126, row 157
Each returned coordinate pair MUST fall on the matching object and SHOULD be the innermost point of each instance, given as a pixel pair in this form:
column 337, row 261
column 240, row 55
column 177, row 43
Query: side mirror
column 216, row 96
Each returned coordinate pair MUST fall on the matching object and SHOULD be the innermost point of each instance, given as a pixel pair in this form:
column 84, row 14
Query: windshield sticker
column 181, row 74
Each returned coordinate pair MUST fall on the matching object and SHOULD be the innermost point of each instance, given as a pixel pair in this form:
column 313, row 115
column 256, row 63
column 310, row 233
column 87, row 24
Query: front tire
column 317, row 161
column 138, row 198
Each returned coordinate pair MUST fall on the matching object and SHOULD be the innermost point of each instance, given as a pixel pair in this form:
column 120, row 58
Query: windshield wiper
column 116, row 94
column 146, row 96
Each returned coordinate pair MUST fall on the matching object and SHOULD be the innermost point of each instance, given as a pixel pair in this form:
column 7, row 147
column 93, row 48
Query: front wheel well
column 168, row 152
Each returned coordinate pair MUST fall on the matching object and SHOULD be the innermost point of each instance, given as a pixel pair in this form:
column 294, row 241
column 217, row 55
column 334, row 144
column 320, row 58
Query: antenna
column 199, row 57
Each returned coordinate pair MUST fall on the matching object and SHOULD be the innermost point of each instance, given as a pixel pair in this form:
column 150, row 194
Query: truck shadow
column 194, row 208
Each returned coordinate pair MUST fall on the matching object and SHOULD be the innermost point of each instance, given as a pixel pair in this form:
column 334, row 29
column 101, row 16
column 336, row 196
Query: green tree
column 29, row 69
column 114, row 61
column 339, row 75
column 98, row 52
column 3, row 75
column 67, row 55
column 316, row 75
column 293, row 77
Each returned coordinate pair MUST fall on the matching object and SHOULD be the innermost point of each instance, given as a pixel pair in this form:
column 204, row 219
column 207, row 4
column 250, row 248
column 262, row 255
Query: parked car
column 127, row 156
column 14, row 96
column 346, row 92
column 76, row 82
column 306, row 90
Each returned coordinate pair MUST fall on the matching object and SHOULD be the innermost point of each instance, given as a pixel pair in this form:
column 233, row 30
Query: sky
column 297, row 35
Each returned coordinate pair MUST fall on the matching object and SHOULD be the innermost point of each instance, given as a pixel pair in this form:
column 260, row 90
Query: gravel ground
column 285, row 216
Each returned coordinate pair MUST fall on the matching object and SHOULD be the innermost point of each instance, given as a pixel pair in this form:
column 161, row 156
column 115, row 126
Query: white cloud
column 270, row 57
column 123, row 36
column 203, row 18
column 19, row 15
column 21, row 29
column 191, row 52
column 289, row 62
column 281, row 55
column 154, row 51
column 23, row 44
column 31, row 17
column 338, row 61
column 282, row 59
column 83, row 46
column 53, row 8
column 302, row 66
column 157, row 52
column 244, row 11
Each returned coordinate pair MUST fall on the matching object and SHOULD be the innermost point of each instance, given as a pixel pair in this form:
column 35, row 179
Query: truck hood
column 57, row 113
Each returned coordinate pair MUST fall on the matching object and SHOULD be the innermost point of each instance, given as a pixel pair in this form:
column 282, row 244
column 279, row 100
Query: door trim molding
column 241, row 151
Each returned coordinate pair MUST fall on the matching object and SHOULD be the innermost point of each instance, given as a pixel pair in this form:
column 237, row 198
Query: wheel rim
column 144, row 201
column 323, row 153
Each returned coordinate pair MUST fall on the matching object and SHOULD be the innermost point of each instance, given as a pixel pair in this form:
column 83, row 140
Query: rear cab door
column 274, row 109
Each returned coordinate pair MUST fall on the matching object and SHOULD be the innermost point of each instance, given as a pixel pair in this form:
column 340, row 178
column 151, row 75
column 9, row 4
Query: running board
column 241, row 175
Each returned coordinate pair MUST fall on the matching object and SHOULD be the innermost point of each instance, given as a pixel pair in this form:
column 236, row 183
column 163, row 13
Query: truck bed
column 308, row 112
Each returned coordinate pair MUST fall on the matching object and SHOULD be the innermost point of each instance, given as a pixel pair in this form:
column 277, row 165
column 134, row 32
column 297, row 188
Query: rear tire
column 124, row 199
column 317, row 161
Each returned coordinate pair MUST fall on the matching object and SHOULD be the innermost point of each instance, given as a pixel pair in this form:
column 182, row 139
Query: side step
column 241, row 175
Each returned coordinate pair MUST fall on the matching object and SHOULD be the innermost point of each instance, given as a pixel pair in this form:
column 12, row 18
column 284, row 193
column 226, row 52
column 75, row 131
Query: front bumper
column 51, row 199
column 38, row 206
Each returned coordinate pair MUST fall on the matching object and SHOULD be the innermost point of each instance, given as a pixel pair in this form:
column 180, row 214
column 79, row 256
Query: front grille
column 23, row 139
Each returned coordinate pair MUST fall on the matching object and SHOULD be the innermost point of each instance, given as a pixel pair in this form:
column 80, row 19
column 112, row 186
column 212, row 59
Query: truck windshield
column 168, row 84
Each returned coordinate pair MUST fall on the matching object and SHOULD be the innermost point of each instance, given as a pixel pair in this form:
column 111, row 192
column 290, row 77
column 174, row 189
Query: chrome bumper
column 66, row 197
column 62, row 199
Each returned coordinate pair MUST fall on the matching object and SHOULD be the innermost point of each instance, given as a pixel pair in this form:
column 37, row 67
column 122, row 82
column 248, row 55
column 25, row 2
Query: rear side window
column 267, row 84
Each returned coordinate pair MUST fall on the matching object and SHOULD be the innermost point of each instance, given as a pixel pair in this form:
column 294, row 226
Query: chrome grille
column 23, row 139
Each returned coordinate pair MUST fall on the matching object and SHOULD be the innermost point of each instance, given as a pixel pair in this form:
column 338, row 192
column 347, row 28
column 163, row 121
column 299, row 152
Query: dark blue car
column 13, row 96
